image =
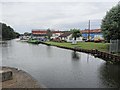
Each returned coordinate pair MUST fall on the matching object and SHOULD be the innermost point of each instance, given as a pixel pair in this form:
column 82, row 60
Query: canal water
column 59, row 68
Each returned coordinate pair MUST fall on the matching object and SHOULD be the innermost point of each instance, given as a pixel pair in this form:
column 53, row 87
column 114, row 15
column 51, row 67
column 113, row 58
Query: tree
column 49, row 33
column 75, row 33
column 27, row 34
column 8, row 32
column 111, row 24
column 17, row 34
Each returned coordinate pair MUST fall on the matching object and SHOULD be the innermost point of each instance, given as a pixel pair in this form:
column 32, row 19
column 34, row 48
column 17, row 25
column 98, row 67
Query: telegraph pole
column 89, row 30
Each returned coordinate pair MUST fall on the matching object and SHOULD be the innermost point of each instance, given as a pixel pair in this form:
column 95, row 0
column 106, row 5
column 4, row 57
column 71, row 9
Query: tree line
column 8, row 32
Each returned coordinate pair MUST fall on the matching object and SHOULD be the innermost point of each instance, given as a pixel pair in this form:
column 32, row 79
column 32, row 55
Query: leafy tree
column 17, row 34
column 8, row 32
column 75, row 33
column 27, row 34
column 49, row 33
column 111, row 24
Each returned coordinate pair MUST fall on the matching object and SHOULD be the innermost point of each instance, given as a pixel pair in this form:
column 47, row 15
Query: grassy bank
column 83, row 45
column 33, row 41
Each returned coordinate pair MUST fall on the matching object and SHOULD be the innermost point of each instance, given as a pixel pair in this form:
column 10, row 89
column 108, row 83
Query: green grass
column 33, row 41
column 83, row 45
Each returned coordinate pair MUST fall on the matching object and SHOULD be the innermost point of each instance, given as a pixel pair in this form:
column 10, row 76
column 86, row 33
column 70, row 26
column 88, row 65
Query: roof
column 91, row 31
column 65, row 34
column 44, row 31
column 39, row 32
column 57, row 32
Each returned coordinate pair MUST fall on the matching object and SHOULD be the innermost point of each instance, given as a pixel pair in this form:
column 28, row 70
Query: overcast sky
column 25, row 16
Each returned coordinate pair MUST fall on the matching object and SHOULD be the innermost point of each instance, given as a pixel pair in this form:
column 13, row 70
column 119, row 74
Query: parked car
column 98, row 40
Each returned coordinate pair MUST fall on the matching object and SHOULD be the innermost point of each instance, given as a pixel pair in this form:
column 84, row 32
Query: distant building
column 43, row 33
column 39, row 33
column 56, row 34
column 67, row 36
column 95, row 33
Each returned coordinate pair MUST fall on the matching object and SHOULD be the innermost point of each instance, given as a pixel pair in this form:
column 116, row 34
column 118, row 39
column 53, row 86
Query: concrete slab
column 6, row 74
column 20, row 79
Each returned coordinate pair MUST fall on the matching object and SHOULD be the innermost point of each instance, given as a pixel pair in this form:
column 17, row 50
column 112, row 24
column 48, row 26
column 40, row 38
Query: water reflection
column 49, row 51
column 75, row 56
column 87, row 58
column 4, row 44
column 110, row 75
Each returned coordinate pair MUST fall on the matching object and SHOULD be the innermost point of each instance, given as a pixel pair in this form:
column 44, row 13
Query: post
column 89, row 30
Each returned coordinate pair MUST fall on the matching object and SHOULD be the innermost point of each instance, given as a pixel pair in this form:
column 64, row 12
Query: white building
column 67, row 36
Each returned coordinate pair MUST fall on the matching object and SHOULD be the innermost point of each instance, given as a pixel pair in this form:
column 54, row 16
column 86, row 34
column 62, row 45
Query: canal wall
column 111, row 58
column 108, row 57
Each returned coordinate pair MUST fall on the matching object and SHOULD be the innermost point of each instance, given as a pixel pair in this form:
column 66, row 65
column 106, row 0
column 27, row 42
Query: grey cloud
column 60, row 15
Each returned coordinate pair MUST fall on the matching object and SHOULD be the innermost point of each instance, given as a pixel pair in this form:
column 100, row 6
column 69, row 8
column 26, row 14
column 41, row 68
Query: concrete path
column 20, row 79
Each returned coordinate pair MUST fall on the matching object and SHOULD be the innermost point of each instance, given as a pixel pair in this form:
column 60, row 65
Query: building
column 43, row 33
column 67, row 36
column 39, row 33
column 95, row 33
column 56, row 34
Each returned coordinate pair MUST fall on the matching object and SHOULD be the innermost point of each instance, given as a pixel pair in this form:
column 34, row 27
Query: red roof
column 39, row 32
column 91, row 31
column 44, row 31
column 65, row 34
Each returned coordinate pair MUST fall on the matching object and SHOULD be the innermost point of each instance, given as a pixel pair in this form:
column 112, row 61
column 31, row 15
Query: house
column 56, row 34
column 67, row 36
column 95, row 33
column 42, row 33
column 39, row 33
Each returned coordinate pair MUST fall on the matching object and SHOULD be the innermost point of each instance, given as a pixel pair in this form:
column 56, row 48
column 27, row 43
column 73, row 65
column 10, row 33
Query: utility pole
column 89, row 30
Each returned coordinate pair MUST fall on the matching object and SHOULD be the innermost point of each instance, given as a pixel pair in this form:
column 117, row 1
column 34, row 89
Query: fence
column 114, row 46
